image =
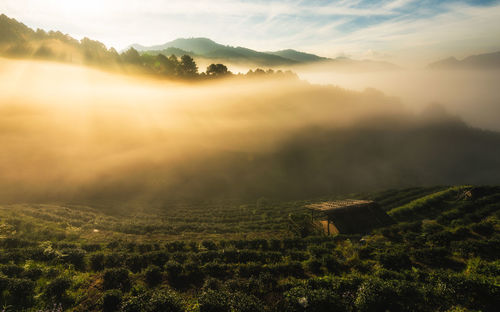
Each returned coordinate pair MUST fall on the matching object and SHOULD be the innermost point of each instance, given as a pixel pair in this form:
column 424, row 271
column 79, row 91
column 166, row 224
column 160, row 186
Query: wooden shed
column 350, row 216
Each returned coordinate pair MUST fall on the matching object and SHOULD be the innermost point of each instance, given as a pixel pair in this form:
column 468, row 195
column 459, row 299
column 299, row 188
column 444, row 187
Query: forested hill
column 19, row 41
column 209, row 50
column 206, row 48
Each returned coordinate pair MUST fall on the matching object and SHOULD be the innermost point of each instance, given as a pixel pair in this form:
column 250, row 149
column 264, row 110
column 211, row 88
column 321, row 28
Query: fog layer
column 473, row 94
column 74, row 134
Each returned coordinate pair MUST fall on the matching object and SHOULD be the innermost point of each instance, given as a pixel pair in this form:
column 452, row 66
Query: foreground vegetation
column 442, row 255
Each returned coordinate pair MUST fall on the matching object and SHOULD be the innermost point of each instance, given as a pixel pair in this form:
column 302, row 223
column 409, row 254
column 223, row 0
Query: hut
column 350, row 216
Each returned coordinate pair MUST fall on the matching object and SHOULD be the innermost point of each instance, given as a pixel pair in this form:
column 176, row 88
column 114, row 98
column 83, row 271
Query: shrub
column 314, row 266
column 135, row 263
column 209, row 245
column 111, row 300
column 313, row 300
column 33, row 272
column 57, row 288
column 166, row 301
column 394, row 259
column 11, row 270
column 97, row 262
column 156, row 301
column 241, row 302
column 375, row 295
column 214, row 301
column 116, row 279
column 113, row 260
column 22, row 291
column 215, row 269
column 153, row 275
column 75, row 257
column 483, row 228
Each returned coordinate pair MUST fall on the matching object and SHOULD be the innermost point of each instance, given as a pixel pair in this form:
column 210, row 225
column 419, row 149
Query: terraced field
column 441, row 255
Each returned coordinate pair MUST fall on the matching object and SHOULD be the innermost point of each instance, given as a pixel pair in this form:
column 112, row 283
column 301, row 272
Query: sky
column 400, row 31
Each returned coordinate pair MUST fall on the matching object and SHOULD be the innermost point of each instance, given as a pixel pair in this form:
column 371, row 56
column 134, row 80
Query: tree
column 131, row 56
column 166, row 66
column 188, row 66
column 216, row 70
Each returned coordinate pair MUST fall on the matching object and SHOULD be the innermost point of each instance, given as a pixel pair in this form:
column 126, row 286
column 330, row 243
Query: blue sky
column 396, row 30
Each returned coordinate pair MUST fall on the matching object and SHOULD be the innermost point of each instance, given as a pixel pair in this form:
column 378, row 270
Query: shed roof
column 338, row 204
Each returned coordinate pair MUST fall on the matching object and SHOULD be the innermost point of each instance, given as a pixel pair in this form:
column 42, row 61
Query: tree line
column 19, row 41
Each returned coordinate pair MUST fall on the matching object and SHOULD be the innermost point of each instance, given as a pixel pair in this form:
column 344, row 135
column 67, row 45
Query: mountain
column 299, row 56
column 209, row 49
column 206, row 48
column 198, row 46
column 20, row 41
column 480, row 61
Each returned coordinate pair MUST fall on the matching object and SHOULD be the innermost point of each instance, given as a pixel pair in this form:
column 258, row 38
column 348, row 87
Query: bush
column 156, row 301
column 153, row 275
column 75, row 257
column 332, row 264
column 22, row 291
column 209, row 245
column 166, row 301
column 241, row 302
column 12, row 270
column 313, row 300
column 394, row 260
column 56, row 289
column 116, row 279
column 135, row 263
column 314, row 266
column 111, row 300
column 113, row 260
column 375, row 295
column 483, row 228
column 214, row 301
column 97, row 262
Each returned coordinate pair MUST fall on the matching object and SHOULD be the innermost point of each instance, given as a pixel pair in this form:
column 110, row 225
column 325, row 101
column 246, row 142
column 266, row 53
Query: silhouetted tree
column 131, row 56
column 216, row 70
column 166, row 66
column 188, row 66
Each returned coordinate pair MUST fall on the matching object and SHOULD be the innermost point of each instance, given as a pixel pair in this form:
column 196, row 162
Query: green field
column 441, row 255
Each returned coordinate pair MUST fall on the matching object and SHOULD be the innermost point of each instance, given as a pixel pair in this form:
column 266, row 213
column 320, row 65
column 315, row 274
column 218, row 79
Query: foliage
column 224, row 256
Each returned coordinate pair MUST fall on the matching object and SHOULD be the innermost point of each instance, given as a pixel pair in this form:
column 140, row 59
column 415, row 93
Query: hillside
column 442, row 255
column 206, row 48
column 298, row 56
column 19, row 41
column 487, row 61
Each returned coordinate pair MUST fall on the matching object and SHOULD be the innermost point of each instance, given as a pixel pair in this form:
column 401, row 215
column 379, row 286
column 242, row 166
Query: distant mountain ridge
column 20, row 41
column 479, row 61
column 207, row 48
column 299, row 56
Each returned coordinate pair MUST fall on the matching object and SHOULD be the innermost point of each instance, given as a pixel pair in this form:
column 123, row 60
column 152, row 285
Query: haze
column 66, row 128
column 472, row 94
column 408, row 33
